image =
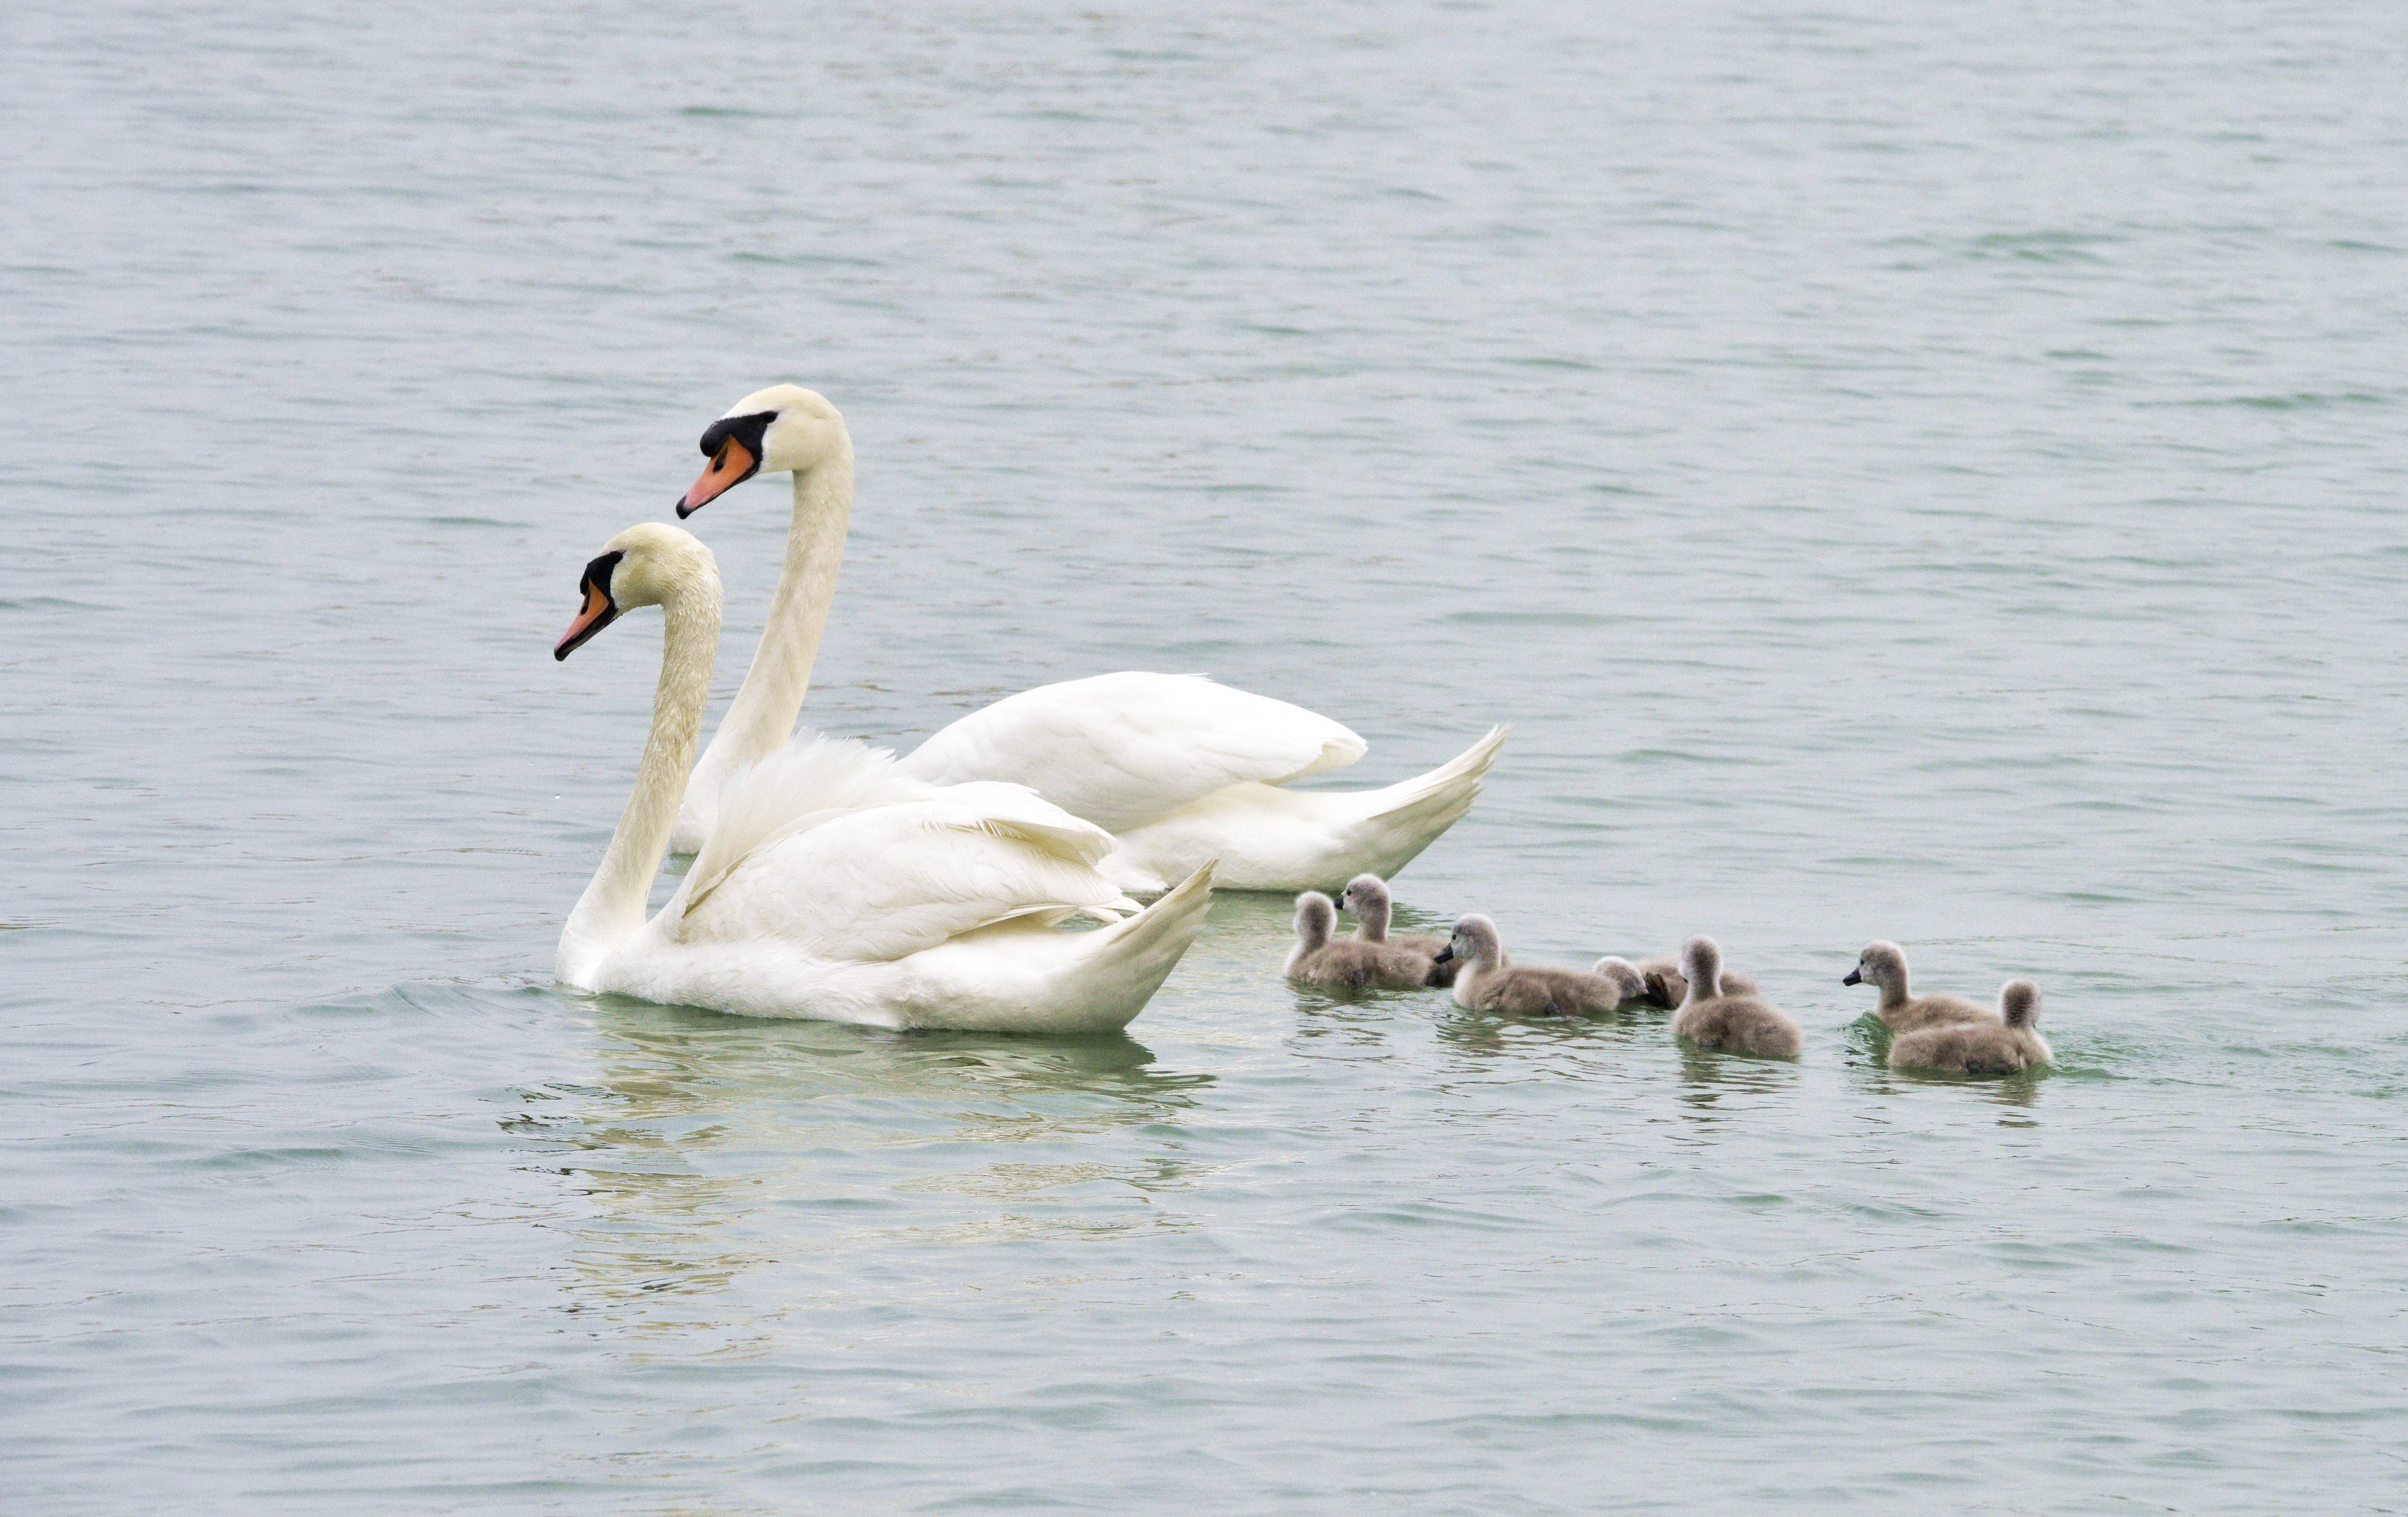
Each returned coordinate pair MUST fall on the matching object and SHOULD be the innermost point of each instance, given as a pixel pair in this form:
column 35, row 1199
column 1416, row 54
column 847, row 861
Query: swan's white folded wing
column 876, row 884
column 1123, row 749
column 790, row 790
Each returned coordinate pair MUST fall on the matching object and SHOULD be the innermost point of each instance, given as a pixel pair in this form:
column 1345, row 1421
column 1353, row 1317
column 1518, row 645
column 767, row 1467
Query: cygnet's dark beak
column 1445, row 955
column 1855, row 976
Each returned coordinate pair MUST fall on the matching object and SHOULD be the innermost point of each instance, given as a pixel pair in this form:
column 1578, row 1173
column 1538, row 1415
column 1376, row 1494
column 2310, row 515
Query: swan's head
column 1701, row 965
column 1882, row 963
column 643, row 566
column 1473, row 940
column 1364, row 895
column 782, row 429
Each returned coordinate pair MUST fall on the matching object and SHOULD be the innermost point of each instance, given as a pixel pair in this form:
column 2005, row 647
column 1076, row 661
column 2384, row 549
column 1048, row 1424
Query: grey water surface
column 1924, row 472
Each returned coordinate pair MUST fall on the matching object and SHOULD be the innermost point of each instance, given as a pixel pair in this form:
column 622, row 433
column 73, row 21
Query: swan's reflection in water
column 712, row 1146
column 1714, row 1088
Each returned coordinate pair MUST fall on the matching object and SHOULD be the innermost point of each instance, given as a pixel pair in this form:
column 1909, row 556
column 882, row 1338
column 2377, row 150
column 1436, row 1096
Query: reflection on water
column 1483, row 1035
column 1707, row 1080
column 711, row 1144
column 2020, row 1090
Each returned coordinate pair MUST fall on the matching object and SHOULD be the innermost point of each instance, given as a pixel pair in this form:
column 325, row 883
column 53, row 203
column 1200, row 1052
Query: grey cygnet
column 1489, row 981
column 1322, row 961
column 2006, row 1044
column 1884, row 963
column 1366, row 898
column 1711, row 1018
column 1666, row 987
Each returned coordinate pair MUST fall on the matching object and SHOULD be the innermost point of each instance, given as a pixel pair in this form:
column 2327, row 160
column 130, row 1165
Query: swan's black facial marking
column 744, row 429
column 599, row 611
column 733, row 444
column 597, row 572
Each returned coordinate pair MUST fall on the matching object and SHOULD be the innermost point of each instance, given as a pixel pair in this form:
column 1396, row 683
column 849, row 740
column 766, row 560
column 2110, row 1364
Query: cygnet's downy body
column 2005, row 1045
column 1486, row 980
column 1366, row 898
column 1321, row 959
column 1884, row 963
column 1711, row 1018
column 1666, row 987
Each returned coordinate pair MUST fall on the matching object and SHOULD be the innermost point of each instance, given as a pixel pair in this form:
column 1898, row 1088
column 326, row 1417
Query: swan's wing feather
column 1123, row 749
column 784, row 792
column 876, row 884
column 1017, row 811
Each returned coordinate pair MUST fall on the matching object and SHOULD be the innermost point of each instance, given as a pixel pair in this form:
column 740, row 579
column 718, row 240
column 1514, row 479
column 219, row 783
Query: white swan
column 834, row 886
column 1179, row 770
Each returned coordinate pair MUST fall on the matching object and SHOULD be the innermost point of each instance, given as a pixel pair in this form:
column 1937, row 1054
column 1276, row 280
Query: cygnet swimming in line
column 1884, row 963
column 1489, row 981
column 1322, row 961
column 1666, row 988
column 1366, row 899
column 1711, row 1018
column 2001, row 1046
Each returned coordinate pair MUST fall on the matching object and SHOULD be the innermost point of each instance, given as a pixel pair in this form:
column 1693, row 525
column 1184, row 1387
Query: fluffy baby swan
column 1322, row 961
column 1666, row 986
column 1489, row 981
column 2001, row 1047
column 1714, row 1017
column 1366, row 899
column 1884, row 963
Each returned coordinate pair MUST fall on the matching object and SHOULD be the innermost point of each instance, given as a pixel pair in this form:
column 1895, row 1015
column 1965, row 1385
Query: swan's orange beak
column 597, row 613
column 730, row 467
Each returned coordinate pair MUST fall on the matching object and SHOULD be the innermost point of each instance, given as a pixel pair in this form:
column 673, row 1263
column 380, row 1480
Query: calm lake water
column 1928, row 475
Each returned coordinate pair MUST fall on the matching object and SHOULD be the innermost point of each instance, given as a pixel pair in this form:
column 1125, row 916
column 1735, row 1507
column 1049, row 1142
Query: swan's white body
column 835, row 888
column 1179, row 770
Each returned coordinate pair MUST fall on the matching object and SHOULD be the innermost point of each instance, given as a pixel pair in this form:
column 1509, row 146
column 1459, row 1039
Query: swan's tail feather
column 1132, row 958
column 1266, row 837
column 1401, row 820
column 1459, row 778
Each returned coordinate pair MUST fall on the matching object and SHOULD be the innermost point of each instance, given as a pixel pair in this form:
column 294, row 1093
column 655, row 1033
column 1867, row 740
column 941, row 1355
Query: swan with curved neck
column 782, row 429
column 644, row 566
column 834, row 886
column 1178, row 769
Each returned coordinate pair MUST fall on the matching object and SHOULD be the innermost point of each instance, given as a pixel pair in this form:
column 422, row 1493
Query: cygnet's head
column 1365, row 895
column 1474, row 939
column 2020, row 1003
column 1628, row 983
column 1315, row 919
column 1701, row 965
column 643, row 566
column 784, row 428
column 1882, row 963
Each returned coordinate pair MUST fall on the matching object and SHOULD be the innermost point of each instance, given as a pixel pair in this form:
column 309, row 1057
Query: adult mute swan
column 1178, row 769
column 834, row 885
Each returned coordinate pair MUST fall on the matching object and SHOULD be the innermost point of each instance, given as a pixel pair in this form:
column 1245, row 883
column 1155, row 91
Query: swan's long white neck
column 761, row 716
column 613, row 907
